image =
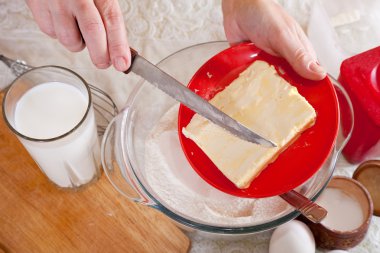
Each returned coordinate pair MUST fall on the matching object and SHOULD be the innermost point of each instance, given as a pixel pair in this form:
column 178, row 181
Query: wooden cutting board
column 35, row 216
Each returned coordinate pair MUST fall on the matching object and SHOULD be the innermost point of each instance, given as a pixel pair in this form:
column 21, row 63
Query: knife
column 172, row 87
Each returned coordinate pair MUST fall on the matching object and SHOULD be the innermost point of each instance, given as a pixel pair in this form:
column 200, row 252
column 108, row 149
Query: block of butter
column 264, row 102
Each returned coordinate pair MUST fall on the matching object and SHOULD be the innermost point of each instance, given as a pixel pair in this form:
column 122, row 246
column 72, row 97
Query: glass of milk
column 50, row 110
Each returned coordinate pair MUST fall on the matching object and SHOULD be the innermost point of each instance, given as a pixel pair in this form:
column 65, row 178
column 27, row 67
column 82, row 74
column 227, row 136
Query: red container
column 360, row 76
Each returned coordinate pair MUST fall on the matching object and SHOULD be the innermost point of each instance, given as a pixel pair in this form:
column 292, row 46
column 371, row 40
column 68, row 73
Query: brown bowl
column 330, row 238
column 368, row 173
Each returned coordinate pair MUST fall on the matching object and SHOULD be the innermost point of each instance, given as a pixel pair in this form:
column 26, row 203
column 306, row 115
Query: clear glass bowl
column 143, row 160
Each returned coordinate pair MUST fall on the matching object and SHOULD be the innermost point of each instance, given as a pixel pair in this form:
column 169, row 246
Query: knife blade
column 172, row 87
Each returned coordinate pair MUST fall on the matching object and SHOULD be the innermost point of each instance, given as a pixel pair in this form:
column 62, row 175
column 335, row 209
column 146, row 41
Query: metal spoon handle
column 17, row 67
column 308, row 208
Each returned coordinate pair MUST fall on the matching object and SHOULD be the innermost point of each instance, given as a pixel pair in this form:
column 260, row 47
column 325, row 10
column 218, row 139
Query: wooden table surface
column 35, row 216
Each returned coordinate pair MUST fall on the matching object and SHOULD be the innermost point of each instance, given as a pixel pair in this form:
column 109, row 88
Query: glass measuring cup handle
column 343, row 138
column 116, row 165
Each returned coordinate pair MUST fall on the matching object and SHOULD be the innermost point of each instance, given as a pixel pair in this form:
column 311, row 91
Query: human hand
column 266, row 24
column 97, row 24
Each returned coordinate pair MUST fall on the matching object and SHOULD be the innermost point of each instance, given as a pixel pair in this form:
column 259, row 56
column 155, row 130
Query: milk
column 51, row 110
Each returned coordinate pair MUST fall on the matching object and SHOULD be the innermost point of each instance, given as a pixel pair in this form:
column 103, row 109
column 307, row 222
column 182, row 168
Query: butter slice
column 264, row 102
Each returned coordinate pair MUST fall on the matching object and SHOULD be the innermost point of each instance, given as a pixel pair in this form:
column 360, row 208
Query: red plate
column 300, row 160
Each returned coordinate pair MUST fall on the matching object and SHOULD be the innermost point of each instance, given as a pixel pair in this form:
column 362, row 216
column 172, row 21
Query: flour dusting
column 180, row 189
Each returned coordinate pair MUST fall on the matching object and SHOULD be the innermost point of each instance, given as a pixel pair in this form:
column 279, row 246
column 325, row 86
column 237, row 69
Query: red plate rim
column 301, row 160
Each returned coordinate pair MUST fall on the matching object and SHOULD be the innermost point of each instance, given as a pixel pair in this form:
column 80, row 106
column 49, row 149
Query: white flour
column 179, row 188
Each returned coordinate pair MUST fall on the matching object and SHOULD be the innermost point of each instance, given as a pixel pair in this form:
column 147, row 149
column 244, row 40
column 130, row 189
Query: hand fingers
column 290, row 42
column 235, row 36
column 247, row 22
column 300, row 58
column 116, row 34
column 42, row 16
column 306, row 43
column 65, row 26
column 271, row 29
column 94, row 34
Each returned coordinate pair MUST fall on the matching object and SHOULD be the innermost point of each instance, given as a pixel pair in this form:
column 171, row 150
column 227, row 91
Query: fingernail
column 313, row 66
column 120, row 64
column 102, row 65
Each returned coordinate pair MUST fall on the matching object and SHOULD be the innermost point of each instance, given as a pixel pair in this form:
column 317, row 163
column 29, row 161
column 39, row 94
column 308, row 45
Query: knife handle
column 134, row 53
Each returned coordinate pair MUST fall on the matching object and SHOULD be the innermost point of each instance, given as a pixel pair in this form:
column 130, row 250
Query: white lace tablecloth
column 156, row 29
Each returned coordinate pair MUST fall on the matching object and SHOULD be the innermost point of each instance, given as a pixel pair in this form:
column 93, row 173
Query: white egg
column 294, row 236
column 337, row 251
